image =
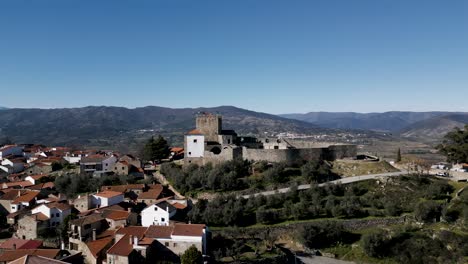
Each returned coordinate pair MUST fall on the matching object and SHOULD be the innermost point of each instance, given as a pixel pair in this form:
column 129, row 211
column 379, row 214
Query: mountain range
column 96, row 125
column 418, row 125
column 121, row 127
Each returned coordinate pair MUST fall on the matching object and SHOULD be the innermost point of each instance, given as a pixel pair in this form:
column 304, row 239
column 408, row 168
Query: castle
column 209, row 143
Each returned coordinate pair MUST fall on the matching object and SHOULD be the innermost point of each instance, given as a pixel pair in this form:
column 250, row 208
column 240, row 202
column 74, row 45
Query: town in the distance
column 224, row 197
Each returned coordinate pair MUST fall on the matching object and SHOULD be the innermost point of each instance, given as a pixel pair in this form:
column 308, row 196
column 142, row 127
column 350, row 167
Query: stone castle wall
column 291, row 156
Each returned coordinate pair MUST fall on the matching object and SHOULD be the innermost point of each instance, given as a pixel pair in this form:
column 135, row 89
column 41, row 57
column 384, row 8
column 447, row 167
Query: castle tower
column 210, row 125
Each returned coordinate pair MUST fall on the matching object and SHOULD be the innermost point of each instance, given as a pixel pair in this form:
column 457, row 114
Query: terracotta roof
column 150, row 194
column 18, row 183
column 179, row 205
column 40, row 186
column 11, row 194
column 138, row 231
column 38, row 176
column 108, row 233
column 115, row 215
column 195, row 132
column 58, row 205
column 116, row 188
column 96, row 246
column 11, row 255
column 31, row 259
column 122, row 247
column 26, row 197
column 188, row 230
column 93, row 158
column 20, row 244
column 156, row 231
column 40, row 217
column 108, row 194
column 93, row 218
column 177, row 149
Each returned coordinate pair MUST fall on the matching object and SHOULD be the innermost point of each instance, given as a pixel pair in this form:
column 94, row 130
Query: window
column 155, row 208
column 166, row 244
column 123, row 168
column 190, row 153
column 229, row 141
column 162, row 219
column 57, row 214
column 175, row 244
column 194, row 141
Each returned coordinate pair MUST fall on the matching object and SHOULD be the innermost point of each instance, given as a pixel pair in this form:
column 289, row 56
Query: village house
column 13, row 255
column 157, row 214
column 119, row 218
column 130, row 159
column 94, row 252
column 150, row 196
column 86, row 228
column 16, row 243
column 13, row 164
column 133, row 244
column 33, row 259
column 131, row 191
column 31, row 226
column 106, row 198
column 55, row 212
column 14, row 200
column 8, row 150
column 97, row 164
column 35, row 179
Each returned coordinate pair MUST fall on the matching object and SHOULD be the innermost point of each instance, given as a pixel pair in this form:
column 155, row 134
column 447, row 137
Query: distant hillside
column 434, row 128
column 110, row 126
column 389, row 121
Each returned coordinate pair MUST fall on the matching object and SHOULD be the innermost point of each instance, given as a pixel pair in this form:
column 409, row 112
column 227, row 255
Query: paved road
column 322, row 260
column 342, row 181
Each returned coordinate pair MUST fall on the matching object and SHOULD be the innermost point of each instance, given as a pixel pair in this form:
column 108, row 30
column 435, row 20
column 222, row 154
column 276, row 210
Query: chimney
column 19, row 193
column 94, row 234
column 135, row 241
column 129, row 209
column 131, row 240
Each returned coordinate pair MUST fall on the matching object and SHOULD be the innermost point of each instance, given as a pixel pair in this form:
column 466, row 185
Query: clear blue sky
column 264, row 55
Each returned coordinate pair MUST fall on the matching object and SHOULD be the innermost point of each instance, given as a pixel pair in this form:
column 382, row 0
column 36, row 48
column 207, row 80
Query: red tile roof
column 58, row 205
column 138, row 231
column 116, row 215
column 108, row 194
column 156, row 231
column 150, row 194
column 40, row 217
column 11, row 255
column 195, row 132
column 179, row 206
column 96, row 246
column 26, row 197
column 11, row 243
column 122, row 247
column 31, row 259
column 188, row 230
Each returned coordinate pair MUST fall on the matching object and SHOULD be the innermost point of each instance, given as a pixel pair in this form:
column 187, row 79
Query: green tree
column 375, row 244
column 191, row 256
column 398, row 158
column 455, row 145
column 156, row 149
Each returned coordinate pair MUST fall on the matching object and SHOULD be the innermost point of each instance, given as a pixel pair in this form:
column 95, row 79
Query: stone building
column 209, row 143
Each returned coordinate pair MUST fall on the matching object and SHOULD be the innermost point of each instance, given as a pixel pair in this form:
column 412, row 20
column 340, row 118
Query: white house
column 34, row 179
column 157, row 214
column 106, row 198
column 13, row 165
column 195, row 144
column 56, row 212
column 97, row 164
column 179, row 237
column 10, row 150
